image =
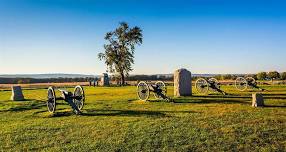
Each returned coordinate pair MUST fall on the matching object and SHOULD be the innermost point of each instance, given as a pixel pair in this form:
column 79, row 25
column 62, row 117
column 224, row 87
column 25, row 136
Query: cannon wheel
column 51, row 102
column 202, row 86
column 216, row 84
column 163, row 87
column 251, row 82
column 143, row 91
column 241, row 84
column 79, row 97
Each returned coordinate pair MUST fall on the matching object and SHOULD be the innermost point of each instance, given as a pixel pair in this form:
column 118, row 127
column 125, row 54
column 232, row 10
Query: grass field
column 114, row 120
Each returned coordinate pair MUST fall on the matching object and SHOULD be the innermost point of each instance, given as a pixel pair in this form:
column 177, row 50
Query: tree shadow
column 128, row 113
column 211, row 100
column 31, row 106
column 28, row 104
column 275, row 106
column 93, row 112
column 204, row 100
column 265, row 97
column 276, row 94
column 133, row 113
column 230, row 96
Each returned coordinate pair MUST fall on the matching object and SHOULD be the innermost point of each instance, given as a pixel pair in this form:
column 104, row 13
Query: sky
column 203, row 36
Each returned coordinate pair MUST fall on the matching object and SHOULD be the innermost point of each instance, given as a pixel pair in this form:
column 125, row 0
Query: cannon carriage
column 243, row 84
column 159, row 90
column 75, row 99
column 203, row 86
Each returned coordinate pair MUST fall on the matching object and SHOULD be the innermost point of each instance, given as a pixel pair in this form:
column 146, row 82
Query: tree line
column 42, row 80
column 83, row 79
column 272, row 75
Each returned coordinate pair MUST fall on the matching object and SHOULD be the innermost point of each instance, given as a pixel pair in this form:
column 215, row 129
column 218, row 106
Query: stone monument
column 17, row 94
column 104, row 80
column 257, row 100
column 182, row 83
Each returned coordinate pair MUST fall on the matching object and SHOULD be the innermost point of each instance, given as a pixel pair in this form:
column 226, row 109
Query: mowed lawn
column 114, row 120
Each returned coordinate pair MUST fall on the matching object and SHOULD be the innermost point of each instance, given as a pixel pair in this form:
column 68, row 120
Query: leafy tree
column 119, row 51
column 283, row 75
column 261, row 75
column 218, row 77
column 20, row 81
column 273, row 75
column 226, row 77
column 254, row 76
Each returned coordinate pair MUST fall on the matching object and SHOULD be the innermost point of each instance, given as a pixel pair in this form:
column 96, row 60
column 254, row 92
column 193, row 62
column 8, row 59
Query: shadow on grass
column 27, row 106
column 210, row 100
column 133, row 113
column 204, row 100
column 62, row 114
column 25, row 100
column 229, row 96
column 129, row 113
column 233, row 96
column 275, row 106
column 274, row 96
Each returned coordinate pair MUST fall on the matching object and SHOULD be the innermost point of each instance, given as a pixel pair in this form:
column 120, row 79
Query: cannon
column 159, row 90
column 203, row 86
column 242, row 83
column 75, row 99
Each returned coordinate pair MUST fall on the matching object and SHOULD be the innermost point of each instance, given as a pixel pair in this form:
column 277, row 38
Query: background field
column 114, row 120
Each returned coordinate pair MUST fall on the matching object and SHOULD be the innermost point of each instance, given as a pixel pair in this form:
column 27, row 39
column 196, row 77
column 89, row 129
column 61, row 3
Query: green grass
column 114, row 120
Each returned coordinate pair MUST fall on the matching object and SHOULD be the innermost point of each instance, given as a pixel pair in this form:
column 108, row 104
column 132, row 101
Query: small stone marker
column 182, row 83
column 17, row 94
column 257, row 100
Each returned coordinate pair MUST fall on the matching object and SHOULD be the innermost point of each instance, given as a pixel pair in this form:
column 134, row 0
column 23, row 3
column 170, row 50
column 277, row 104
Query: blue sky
column 204, row 36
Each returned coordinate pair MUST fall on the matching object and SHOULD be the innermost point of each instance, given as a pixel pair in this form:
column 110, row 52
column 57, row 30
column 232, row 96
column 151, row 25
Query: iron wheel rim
column 143, row 91
column 241, row 84
column 79, row 97
column 202, row 86
column 51, row 102
column 163, row 87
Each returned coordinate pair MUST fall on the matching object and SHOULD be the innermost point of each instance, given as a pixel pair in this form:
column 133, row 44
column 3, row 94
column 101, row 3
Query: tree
column 218, row 77
column 20, row 81
column 254, row 76
column 261, row 75
column 119, row 51
column 283, row 75
column 273, row 75
column 226, row 77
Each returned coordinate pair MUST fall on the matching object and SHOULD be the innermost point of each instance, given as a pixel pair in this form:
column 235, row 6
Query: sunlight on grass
column 114, row 119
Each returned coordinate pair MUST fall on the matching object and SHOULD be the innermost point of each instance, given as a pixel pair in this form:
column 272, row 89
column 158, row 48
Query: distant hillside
column 44, row 76
column 47, row 76
column 194, row 75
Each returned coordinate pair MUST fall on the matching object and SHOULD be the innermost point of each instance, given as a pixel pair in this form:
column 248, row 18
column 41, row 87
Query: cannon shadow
column 126, row 113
